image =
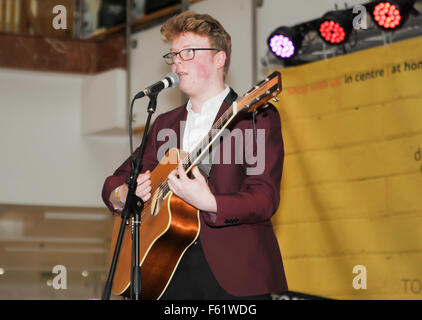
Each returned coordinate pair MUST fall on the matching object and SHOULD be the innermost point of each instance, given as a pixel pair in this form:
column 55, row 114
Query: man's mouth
column 181, row 74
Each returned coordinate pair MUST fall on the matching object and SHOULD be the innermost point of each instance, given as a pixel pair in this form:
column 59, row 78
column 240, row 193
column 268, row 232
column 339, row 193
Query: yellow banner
column 350, row 219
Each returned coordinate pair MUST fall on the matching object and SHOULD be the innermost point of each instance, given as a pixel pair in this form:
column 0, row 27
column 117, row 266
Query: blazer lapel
column 230, row 98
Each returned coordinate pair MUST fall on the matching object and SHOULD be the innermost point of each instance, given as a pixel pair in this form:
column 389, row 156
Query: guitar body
column 168, row 228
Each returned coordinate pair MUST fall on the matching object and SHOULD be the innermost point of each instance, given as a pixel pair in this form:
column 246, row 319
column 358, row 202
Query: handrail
column 141, row 22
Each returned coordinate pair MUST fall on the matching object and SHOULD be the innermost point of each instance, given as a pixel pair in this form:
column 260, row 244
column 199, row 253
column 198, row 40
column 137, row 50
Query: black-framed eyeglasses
column 185, row 54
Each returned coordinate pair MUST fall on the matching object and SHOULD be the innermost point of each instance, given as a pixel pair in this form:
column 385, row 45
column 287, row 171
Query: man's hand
column 194, row 191
column 143, row 188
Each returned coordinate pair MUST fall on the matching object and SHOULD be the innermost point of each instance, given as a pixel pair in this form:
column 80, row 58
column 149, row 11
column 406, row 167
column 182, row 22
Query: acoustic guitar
column 169, row 226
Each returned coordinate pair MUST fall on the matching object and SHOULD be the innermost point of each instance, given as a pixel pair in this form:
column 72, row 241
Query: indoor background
column 350, row 214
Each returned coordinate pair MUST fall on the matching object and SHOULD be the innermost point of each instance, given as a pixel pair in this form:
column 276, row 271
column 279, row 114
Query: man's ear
column 220, row 59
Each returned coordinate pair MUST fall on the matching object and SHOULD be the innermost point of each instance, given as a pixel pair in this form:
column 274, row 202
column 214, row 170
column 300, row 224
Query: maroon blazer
column 239, row 245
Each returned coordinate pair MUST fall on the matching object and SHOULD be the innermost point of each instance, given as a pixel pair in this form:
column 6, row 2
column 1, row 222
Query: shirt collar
column 211, row 105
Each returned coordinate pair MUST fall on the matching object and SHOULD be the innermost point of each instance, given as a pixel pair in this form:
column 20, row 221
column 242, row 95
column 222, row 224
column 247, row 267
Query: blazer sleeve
column 150, row 161
column 259, row 195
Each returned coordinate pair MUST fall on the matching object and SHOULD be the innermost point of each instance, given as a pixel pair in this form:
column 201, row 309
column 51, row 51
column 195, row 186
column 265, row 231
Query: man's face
column 196, row 74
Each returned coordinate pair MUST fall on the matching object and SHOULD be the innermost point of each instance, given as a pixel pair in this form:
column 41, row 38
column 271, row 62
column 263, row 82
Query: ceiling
column 33, row 240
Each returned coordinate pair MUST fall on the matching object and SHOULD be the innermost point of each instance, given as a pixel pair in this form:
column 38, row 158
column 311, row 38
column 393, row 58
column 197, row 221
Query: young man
column 236, row 255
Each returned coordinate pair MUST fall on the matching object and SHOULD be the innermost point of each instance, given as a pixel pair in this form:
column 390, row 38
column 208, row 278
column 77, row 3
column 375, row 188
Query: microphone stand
column 133, row 204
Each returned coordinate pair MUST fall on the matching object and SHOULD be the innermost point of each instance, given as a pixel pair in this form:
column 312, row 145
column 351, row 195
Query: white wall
column 104, row 103
column 44, row 158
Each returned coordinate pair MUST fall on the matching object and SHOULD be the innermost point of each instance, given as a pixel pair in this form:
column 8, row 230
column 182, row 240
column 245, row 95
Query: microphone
column 171, row 80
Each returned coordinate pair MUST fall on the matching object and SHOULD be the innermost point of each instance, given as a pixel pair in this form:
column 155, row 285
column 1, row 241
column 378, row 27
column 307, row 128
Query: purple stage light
column 285, row 42
column 282, row 46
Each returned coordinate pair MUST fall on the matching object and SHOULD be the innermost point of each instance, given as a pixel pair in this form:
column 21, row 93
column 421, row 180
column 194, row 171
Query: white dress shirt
column 199, row 124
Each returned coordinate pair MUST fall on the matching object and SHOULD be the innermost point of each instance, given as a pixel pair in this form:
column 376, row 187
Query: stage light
column 335, row 26
column 332, row 32
column 389, row 15
column 285, row 42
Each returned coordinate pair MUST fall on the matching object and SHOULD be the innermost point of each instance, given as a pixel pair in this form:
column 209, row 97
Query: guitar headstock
column 265, row 90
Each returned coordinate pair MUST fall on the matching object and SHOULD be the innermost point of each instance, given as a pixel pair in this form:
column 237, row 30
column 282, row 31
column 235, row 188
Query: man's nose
column 177, row 59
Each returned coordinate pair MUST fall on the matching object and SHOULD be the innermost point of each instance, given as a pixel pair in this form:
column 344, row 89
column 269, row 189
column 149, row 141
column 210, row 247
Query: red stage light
column 387, row 15
column 332, row 32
